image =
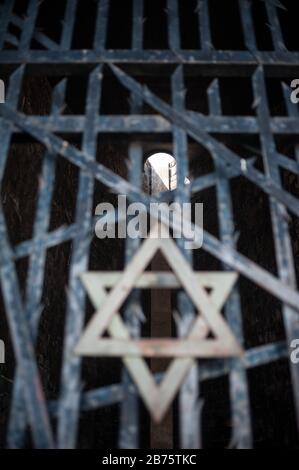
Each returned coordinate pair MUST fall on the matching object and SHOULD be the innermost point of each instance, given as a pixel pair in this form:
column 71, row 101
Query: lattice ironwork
column 34, row 50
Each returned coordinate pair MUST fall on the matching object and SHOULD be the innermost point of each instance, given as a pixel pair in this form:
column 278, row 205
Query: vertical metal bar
column 12, row 98
column 34, row 286
column 129, row 417
column 5, row 16
column 245, row 7
column 137, row 33
column 173, row 25
column 70, row 394
column 275, row 27
column 23, row 347
column 239, row 394
column 292, row 110
column 29, row 24
column 32, row 389
column 189, row 403
column 161, row 434
column 100, row 35
column 214, row 98
column 283, row 247
column 204, row 25
column 68, row 24
column 129, row 408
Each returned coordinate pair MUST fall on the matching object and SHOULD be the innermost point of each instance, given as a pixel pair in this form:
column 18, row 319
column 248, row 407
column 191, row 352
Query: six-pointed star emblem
column 196, row 344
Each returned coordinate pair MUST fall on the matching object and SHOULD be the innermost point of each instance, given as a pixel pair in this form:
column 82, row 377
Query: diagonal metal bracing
column 37, row 35
column 32, row 387
column 35, row 279
column 69, row 408
column 23, row 347
column 128, row 436
column 241, row 431
column 282, row 239
column 190, row 406
column 112, row 394
column 229, row 256
column 221, row 152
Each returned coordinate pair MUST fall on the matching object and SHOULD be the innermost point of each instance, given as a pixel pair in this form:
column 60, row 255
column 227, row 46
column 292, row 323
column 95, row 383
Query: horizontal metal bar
column 66, row 233
column 151, row 57
column 37, row 35
column 55, row 237
column 113, row 394
column 211, row 244
column 161, row 347
column 254, row 357
column 158, row 124
column 218, row 150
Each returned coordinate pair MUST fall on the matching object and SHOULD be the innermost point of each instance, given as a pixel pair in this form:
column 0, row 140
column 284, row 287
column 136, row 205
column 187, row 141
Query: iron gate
column 59, row 57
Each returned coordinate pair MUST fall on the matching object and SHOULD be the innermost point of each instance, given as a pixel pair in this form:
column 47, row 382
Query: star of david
column 197, row 344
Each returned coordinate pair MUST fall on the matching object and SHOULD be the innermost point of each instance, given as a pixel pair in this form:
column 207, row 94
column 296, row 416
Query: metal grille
column 32, row 49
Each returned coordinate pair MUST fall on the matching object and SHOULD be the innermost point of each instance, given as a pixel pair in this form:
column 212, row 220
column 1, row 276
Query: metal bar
column 190, row 437
column 240, row 409
column 112, row 394
column 252, row 358
column 227, row 63
column 100, row 35
column 93, row 399
column 35, row 279
column 158, row 124
column 5, row 16
column 161, row 433
column 292, row 110
column 44, row 438
column 11, row 39
column 209, row 142
column 64, row 234
column 173, row 25
column 29, row 25
column 282, row 240
column 68, row 24
column 287, row 163
column 23, row 347
column 229, row 256
column 129, row 418
column 70, row 378
column 204, row 25
column 138, row 20
column 6, row 128
column 214, row 98
column 55, row 237
column 245, row 7
column 274, row 26
column 37, row 35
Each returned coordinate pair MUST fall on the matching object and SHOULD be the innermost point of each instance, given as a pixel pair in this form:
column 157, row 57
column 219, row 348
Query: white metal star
column 132, row 351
